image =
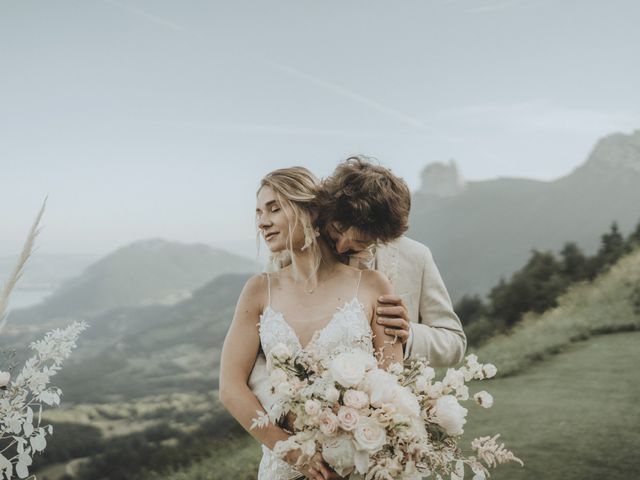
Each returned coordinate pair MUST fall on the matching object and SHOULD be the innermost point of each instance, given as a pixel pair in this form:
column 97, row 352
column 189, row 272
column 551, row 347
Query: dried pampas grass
column 27, row 250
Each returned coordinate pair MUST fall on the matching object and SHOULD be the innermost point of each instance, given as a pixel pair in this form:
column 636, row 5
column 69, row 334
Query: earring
column 310, row 234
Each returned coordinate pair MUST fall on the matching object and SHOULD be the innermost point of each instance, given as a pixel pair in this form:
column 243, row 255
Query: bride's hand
column 316, row 468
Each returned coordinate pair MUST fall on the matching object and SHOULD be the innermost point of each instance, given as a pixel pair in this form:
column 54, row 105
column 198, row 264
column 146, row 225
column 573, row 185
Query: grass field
column 573, row 416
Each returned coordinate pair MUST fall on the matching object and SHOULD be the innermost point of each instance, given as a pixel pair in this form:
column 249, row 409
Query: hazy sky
column 157, row 118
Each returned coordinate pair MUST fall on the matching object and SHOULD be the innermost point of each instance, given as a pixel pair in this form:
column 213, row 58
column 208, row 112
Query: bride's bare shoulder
column 255, row 291
column 375, row 282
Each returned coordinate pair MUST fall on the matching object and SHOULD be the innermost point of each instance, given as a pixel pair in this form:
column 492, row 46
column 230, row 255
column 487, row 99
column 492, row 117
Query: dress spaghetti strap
column 268, row 289
column 358, row 285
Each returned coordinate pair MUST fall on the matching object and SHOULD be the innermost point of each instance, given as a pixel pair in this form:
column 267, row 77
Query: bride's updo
column 297, row 189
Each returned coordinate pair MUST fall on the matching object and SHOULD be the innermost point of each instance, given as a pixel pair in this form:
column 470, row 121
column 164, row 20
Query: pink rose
column 348, row 418
column 328, row 422
column 356, row 399
column 312, row 407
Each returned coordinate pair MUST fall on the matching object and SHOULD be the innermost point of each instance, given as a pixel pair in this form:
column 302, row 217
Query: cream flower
column 450, row 415
column 4, row 378
column 348, row 369
column 278, row 376
column 429, row 373
column 339, row 453
column 406, row 401
column 328, row 422
column 312, row 407
column 462, row 393
column 369, row 435
column 355, row 399
column 380, row 384
column 484, row 399
column 280, row 352
column 421, row 383
column 285, row 389
column 434, row 390
column 454, row 379
column 331, row 394
column 489, row 370
column 348, row 418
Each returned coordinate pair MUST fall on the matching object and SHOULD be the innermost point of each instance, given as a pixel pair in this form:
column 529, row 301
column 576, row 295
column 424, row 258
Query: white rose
column 406, row 401
column 450, row 415
column 367, row 359
column 348, row 369
column 280, row 352
column 471, row 359
column 278, row 376
column 348, row 418
column 484, row 399
column 328, row 422
column 489, row 370
column 339, row 453
column 312, row 407
column 369, row 435
column 331, row 394
column 380, row 384
column 4, row 378
column 356, row 399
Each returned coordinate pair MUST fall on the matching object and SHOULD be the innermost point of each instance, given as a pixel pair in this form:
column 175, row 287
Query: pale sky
column 158, row 118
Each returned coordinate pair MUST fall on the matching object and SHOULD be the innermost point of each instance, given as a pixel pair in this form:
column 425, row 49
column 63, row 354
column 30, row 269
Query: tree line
column 537, row 286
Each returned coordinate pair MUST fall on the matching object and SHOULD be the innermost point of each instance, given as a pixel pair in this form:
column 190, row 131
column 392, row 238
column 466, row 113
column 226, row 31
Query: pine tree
column 574, row 262
column 612, row 247
column 470, row 309
column 633, row 240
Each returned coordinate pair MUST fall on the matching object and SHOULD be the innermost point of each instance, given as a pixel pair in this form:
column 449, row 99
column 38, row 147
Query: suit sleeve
column 439, row 336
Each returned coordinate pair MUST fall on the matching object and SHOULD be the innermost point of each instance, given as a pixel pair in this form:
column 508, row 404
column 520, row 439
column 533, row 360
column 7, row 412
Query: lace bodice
column 348, row 329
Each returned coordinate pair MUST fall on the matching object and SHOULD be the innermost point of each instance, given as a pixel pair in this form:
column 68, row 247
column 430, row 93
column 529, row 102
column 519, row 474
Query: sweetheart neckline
column 319, row 331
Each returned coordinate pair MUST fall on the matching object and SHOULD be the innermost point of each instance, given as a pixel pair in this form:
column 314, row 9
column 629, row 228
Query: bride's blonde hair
column 297, row 189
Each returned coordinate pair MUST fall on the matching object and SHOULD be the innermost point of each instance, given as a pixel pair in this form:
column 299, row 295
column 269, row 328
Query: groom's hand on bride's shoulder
column 393, row 314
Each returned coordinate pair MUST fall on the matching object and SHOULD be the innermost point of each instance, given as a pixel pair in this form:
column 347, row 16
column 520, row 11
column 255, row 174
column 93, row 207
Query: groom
column 365, row 211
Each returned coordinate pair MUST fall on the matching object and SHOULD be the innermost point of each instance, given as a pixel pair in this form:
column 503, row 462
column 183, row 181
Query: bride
column 315, row 300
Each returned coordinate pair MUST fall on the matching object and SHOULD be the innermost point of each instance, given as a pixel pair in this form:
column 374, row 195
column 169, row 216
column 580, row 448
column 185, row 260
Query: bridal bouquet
column 376, row 424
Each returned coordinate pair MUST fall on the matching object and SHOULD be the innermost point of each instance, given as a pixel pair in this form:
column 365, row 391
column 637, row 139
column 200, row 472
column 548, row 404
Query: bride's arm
column 388, row 347
column 239, row 353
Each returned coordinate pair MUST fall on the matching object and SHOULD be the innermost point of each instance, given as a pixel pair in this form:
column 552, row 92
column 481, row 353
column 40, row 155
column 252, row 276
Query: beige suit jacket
column 436, row 331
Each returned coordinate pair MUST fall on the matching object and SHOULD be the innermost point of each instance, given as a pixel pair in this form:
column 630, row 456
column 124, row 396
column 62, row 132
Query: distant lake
column 24, row 298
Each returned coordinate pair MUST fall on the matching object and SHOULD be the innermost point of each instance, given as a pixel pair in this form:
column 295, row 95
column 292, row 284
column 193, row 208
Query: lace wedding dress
column 348, row 329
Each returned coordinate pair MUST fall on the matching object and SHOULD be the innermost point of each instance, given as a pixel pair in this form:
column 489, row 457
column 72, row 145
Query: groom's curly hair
column 362, row 194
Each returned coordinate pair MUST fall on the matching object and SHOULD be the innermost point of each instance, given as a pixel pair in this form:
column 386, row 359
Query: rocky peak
column 442, row 179
column 616, row 152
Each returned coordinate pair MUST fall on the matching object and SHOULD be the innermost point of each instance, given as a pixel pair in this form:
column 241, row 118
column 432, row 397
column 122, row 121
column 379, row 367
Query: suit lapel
column 387, row 261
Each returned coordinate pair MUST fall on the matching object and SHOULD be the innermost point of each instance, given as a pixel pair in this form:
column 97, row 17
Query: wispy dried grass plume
column 27, row 250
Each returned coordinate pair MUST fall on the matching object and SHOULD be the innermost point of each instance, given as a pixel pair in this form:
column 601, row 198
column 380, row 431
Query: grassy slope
column 611, row 303
column 574, row 416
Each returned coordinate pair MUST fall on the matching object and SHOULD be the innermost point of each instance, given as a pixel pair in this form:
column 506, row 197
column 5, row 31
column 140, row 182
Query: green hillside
column 611, row 303
column 148, row 272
